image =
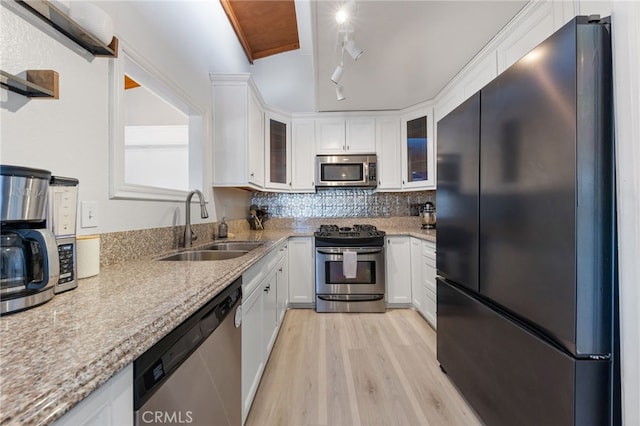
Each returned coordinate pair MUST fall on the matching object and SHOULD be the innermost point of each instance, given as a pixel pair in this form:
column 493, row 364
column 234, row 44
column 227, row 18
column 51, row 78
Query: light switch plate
column 89, row 217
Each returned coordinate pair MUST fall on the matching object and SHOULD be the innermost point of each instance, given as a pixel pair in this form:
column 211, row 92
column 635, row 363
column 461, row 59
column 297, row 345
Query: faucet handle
column 194, row 236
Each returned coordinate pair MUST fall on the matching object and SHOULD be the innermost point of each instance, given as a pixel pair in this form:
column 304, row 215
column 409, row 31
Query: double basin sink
column 215, row 251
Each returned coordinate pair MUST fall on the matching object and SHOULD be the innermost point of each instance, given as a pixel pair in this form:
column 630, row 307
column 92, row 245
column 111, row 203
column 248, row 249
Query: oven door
column 370, row 271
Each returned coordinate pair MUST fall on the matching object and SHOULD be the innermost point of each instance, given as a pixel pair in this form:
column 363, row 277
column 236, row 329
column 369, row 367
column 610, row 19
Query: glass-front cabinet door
column 278, row 151
column 418, row 150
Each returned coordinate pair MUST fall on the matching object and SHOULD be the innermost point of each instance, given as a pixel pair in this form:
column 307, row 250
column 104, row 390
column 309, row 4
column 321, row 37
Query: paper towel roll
column 88, row 250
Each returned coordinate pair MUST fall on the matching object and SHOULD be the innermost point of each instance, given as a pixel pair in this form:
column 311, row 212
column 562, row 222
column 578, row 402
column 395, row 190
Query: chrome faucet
column 189, row 235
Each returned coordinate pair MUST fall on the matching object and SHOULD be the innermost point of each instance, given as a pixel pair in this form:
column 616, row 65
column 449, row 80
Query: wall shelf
column 39, row 83
column 57, row 19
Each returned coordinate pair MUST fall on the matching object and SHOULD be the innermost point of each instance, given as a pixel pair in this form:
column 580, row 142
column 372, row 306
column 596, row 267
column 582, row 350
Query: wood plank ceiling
column 264, row 28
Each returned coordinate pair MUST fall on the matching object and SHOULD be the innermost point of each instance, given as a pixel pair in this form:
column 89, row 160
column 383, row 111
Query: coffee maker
column 61, row 220
column 30, row 263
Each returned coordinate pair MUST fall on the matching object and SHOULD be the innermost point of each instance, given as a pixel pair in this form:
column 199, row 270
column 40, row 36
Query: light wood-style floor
column 356, row 369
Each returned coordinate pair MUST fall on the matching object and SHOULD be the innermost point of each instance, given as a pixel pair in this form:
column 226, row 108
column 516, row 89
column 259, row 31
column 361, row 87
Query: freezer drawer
column 510, row 375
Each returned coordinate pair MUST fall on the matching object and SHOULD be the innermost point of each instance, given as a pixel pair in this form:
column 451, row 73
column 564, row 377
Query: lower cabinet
column 302, row 275
column 398, row 267
column 253, row 359
column 264, row 301
column 429, row 282
column 282, row 279
column 111, row 404
column 417, row 283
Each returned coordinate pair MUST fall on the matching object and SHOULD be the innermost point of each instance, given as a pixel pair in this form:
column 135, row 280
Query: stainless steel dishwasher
column 192, row 376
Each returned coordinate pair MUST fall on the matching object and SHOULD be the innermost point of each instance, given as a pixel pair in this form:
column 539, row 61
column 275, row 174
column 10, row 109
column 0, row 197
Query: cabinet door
column 416, row 274
column 230, row 144
column 360, row 135
column 398, row 270
column 418, row 151
column 110, row 404
column 253, row 355
column 270, row 312
column 388, row 153
column 429, row 282
column 256, row 141
column 303, row 153
column 282, row 278
column 330, row 136
column 301, row 271
column 277, row 151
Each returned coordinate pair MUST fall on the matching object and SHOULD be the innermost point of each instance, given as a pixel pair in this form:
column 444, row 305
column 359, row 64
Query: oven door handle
column 340, row 250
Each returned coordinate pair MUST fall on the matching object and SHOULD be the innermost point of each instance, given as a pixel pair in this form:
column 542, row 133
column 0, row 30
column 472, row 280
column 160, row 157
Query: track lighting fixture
column 345, row 42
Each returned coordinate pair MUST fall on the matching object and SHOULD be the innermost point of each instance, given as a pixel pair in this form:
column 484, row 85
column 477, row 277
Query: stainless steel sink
column 205, row 255
column 248, row 246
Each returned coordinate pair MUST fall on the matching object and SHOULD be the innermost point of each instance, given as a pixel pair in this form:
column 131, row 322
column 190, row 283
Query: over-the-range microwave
column 346, row 170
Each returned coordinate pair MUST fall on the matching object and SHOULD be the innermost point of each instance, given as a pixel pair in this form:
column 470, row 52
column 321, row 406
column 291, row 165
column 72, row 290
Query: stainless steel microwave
column 346, row 170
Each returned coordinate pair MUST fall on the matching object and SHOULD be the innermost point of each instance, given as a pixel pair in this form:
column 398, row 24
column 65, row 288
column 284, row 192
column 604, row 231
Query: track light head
column 340, row 93
column 354, row 51
column 337, row 74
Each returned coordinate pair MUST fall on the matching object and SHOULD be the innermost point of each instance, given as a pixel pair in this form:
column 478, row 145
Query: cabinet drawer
column 430, row 306
column 429, row 276
column 429, row 250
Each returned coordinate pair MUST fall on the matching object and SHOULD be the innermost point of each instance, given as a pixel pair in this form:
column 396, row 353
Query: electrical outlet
column 89, row 214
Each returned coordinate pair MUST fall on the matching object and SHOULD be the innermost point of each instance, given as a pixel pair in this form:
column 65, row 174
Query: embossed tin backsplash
column 348, row 202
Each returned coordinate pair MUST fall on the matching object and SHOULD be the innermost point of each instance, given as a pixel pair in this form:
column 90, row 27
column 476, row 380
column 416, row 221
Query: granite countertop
column 55, row 355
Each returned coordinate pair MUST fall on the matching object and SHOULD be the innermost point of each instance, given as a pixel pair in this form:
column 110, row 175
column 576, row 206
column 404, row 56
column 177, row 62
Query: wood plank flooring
column 356, row 369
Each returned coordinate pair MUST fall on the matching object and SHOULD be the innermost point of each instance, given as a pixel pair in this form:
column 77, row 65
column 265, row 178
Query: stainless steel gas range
column 350, row 269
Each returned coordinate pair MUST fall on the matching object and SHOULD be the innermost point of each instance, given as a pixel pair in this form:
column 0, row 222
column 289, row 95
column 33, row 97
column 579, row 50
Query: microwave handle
column 340, row 250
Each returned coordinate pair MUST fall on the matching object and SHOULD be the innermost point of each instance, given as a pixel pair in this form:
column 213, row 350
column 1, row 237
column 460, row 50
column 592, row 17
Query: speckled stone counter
column 55, row 355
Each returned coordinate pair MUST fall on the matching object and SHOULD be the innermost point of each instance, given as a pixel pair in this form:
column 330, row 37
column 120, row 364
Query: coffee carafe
column 30, row 262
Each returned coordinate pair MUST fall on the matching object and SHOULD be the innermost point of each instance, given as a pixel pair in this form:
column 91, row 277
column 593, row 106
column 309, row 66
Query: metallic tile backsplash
column 349, row 202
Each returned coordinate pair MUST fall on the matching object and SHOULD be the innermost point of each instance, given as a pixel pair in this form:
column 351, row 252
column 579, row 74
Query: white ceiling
column 412, row 49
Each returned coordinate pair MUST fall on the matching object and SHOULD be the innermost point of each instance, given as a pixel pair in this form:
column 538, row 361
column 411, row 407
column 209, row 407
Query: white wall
column 70, row 137
column 626, row 65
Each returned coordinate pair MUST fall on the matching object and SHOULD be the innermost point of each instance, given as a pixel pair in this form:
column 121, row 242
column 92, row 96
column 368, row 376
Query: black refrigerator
column 525, row 251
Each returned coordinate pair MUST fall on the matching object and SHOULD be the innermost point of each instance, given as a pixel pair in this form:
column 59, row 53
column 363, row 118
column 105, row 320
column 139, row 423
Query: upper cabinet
column 238, row 146
column 345, row 136
column 277, row 151
column 418, row 150
column 303, row 146
column 388, row 150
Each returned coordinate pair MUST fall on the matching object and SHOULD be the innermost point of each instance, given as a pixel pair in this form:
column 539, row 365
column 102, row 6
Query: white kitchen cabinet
column 355, row 135
column 238, row 146
column 417, row 283
column 418, row 150
column 301, row 272
column 260, row 318
column 388, row 153
column 253, row 359
column 303, row 153
column 270, row 312
column 429, row 282
column 277, row 151
column 398, row 270
column 110, row 404
column 282, row 279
